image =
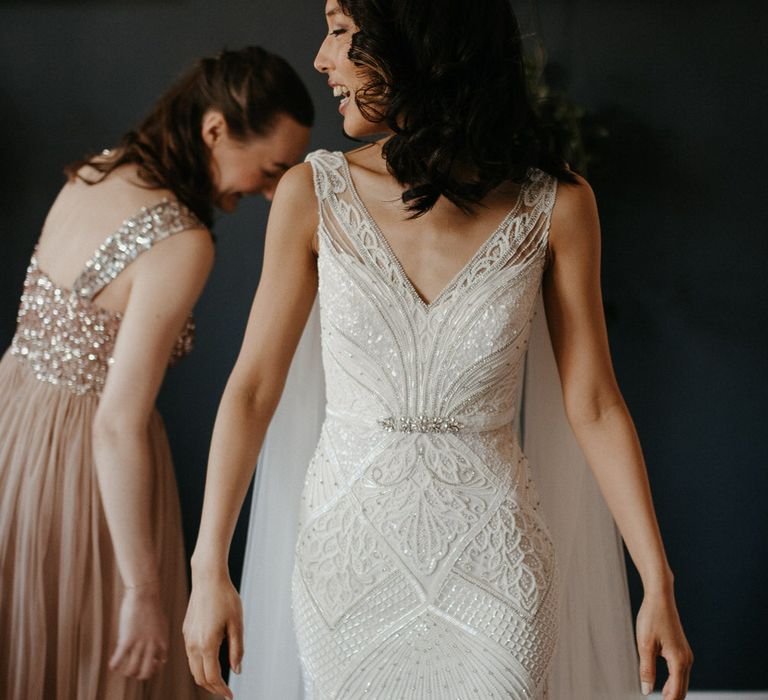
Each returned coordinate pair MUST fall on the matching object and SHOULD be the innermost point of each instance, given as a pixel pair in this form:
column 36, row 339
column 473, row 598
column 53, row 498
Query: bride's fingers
column 235, row 643
column 648, row 649
column 196, row 667
column 679, row 667
column 214, row 682
column 687, row 677
column 202, row 654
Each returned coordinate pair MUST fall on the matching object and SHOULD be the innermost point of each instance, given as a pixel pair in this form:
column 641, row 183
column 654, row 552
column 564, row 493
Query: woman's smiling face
column 344, row 78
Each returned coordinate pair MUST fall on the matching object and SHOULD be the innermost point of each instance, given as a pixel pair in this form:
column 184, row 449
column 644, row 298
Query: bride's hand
column 214, row 612
column 660, row 633
column 142, row 640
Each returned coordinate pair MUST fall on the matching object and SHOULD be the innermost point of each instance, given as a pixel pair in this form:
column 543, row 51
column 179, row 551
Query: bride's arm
column 603, row 427
column 281, row 306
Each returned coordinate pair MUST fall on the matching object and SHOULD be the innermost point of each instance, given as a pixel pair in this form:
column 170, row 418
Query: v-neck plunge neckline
column 407, row 282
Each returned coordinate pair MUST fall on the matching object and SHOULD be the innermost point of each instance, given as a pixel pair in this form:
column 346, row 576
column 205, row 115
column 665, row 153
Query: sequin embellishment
column 62, row 334
column 420, row 424
column 423, row 568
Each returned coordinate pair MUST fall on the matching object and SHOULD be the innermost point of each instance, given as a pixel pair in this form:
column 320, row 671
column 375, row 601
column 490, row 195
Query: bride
column 427, row 498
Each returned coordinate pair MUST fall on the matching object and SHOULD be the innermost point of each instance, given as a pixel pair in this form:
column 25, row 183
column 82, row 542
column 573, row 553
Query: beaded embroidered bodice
column 455, row 357
column 422, row 559
column 63, row 334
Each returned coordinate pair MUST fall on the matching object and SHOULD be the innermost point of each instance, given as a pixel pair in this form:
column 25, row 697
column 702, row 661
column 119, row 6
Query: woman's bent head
column 446, row 79
column 230, row 127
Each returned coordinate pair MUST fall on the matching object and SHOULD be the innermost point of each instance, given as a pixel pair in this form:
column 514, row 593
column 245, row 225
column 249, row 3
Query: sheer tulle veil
column 595, row 657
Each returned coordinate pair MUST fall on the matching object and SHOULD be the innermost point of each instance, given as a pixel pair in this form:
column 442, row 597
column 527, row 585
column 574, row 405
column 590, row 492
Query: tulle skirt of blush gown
column 60, row 589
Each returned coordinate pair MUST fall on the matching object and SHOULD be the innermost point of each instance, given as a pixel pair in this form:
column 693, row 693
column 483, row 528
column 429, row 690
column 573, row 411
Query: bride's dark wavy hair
column 250, row 87
column 447, row 77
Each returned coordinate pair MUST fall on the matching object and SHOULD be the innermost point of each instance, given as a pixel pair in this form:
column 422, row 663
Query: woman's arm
column 281, row 306
column 603, row 427
column 165, row 283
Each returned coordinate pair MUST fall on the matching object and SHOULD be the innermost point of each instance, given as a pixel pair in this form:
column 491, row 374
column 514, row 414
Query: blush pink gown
column 59, row 583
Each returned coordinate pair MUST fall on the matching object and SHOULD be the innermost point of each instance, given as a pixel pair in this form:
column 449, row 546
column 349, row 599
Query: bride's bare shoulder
column 574, row 216
column 296, row 185
column 294, row 207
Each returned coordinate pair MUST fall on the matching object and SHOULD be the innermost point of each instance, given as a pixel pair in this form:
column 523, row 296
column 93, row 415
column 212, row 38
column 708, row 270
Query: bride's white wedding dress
column 427, row 564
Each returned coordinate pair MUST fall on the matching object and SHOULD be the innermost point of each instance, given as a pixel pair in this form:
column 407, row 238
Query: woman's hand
column 289, row 273
column 214, row 612
column 660, row 633
column 142, row 641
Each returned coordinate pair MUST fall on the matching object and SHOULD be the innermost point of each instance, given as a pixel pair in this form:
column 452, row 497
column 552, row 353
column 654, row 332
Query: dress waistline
column 425, row 423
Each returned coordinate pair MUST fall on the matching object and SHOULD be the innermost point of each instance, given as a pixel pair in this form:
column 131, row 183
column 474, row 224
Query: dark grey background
column 682, row 86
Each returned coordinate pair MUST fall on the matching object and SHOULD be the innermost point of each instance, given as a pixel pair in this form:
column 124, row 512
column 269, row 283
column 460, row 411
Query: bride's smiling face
column 344, row 78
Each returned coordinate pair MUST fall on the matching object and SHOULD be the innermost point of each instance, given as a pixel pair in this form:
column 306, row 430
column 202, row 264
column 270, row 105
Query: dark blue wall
column 681, row 87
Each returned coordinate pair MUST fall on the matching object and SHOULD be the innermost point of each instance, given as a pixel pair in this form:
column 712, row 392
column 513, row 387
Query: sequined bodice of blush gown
column 62, row 334
column 59, row 582
column 424, row 568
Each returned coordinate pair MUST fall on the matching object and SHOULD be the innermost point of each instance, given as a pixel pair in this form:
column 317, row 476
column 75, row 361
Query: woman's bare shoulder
column 574, row 198
column 574, row 216
column 294, row 210
column 109, row 200
column 297, row 177
column 296, row 190
column 83, row 215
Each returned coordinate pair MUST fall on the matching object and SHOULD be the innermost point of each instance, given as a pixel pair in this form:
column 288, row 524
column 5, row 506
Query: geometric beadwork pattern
column 423, row 567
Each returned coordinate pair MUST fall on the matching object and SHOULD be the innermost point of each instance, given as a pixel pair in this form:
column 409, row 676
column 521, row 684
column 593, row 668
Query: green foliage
column 580, row 135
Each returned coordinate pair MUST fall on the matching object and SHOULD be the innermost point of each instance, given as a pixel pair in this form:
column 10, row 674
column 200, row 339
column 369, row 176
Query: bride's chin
column 355, row 126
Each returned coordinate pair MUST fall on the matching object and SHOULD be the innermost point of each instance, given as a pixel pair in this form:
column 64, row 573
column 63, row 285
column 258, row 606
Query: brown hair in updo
column 250, row 87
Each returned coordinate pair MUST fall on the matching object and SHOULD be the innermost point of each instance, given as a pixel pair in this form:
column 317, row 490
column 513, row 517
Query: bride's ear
column 213, row 127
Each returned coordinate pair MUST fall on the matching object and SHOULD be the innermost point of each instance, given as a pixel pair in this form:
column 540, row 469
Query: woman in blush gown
column 92, row 566
column 447, row 542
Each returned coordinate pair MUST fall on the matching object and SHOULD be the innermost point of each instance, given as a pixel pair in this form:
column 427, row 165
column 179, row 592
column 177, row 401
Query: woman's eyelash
column 338, row 32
